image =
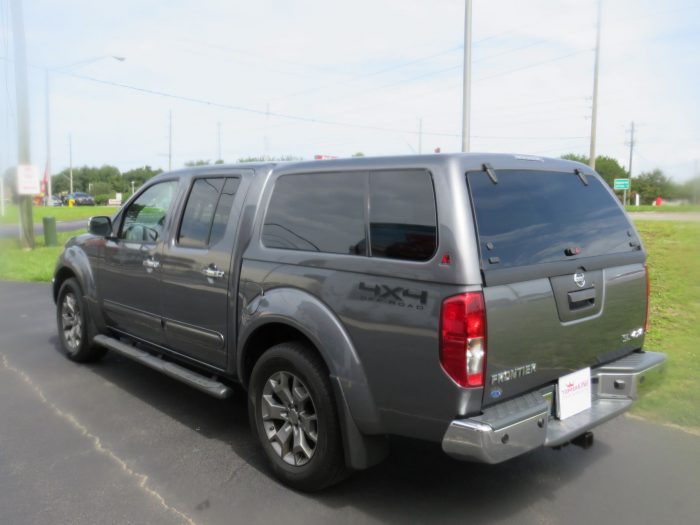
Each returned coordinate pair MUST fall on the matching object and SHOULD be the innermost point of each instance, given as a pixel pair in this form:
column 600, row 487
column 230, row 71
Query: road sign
column 621, row 184
column 27, row 179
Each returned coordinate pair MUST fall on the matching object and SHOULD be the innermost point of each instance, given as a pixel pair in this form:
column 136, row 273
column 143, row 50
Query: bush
column 101, row 200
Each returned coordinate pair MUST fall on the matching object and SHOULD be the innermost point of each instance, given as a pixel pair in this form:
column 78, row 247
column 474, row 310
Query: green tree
column 198, row 162
column 358, row 154
column 83, row 177
column 691, row 190
column 607, row 167
column 652, row 184
column 139, row 176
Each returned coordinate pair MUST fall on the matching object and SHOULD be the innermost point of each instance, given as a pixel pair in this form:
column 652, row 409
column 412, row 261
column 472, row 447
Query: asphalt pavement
column 115, row 442
column 12, row 230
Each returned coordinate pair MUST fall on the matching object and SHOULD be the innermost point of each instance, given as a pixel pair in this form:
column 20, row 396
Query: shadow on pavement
column 416, row 483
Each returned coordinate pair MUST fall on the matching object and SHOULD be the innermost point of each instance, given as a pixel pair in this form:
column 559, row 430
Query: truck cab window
column 145, row 217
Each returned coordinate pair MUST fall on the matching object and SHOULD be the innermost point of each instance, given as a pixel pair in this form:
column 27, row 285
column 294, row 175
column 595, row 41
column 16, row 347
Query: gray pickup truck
column 491, row 303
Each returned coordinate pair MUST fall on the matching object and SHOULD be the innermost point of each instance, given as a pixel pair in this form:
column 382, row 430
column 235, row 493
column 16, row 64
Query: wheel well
column 62, row 274
column 266, row 337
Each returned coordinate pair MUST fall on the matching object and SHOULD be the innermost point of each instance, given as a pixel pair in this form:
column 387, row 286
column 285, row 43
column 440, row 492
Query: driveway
column 116, row 442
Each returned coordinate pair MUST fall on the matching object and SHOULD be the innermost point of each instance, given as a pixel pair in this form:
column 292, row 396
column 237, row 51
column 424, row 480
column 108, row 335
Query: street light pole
column 48, row 111
column 70, row 161
column 467, row 74
column 218, row 128
column 26, row 221
column 48, row 141
column 594, row 109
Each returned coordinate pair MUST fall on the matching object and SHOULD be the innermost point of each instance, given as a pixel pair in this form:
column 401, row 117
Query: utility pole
column 218, row 126
column 631, row 154
column 26, row 221
column 467, row 78
column 594, row 110
column 48, row 140
column 170, row 140
column 420, row 135
column 70, row 161
column 267, row 124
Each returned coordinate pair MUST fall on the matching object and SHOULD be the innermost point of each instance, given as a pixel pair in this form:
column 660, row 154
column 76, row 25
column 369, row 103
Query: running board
column 185, row 375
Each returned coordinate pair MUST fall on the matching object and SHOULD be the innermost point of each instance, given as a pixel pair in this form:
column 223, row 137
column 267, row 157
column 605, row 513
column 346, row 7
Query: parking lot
column 117, row 443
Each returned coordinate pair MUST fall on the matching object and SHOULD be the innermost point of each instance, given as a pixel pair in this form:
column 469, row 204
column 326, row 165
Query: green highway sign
column 621, row 184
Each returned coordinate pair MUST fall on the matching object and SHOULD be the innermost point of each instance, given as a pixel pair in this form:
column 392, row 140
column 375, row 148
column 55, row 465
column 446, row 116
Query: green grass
column 681, row 208
column 36, row 265
column 674, row 319
column 62, row 213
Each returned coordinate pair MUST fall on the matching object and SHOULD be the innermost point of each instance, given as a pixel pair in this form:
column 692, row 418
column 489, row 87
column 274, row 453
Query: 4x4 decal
column 393, row 295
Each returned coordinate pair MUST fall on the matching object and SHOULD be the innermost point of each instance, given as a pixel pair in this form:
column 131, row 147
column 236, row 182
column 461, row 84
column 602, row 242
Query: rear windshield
column 533, row 217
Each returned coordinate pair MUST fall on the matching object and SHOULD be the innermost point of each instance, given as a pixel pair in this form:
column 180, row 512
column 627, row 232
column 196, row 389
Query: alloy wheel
column 289, row 418
column 71, row 322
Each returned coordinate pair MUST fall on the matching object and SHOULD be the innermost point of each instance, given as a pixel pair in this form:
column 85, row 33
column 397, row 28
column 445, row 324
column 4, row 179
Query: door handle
column 212, row 272
column 151, row 264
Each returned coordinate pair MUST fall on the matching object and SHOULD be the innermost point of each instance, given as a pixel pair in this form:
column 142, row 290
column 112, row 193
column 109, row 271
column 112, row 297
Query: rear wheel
column 293, row 414
column 73, row 321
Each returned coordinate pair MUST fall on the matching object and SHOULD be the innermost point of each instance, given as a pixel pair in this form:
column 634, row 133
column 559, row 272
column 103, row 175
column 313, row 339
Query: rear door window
column 403, row 222
column 533, row 217
column 206, row 212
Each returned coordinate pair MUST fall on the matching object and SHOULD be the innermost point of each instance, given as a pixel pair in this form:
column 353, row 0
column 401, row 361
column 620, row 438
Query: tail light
column 646, row 313
column 463, row 339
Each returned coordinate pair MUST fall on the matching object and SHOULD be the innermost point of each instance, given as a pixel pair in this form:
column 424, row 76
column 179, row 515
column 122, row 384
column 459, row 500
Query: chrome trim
column 475, row 441
column 519, row 425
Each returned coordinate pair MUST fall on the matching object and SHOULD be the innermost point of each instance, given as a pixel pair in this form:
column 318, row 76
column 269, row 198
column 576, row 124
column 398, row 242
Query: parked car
column 491, row 303
column 52, row 200
column 80, row 198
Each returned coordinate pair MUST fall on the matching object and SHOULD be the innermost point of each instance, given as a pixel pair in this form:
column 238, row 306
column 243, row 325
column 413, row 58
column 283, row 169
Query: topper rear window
column 532, row 217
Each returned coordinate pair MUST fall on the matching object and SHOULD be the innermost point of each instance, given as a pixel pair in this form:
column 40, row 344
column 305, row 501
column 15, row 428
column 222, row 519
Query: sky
column 308, row 77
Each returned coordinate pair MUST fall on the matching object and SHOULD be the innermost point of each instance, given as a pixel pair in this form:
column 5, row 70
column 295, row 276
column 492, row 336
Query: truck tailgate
column 564, row 276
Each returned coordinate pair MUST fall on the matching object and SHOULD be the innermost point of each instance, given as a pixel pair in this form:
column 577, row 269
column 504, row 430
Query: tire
column 293, row 414
column 73, row 320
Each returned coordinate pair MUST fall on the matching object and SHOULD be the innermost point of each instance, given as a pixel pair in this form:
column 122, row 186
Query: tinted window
column 145, row 217
column 199, row 213
column 321, row 212
column 531, row 217
column 223, row 210
column 402, row 215
column 206, row 212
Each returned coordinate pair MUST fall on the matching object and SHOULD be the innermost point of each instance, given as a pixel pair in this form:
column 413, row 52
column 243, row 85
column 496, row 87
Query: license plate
column 574, row 393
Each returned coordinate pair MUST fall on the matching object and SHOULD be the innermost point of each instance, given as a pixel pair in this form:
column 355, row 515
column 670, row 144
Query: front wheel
column 293, row 414
column 72, row 318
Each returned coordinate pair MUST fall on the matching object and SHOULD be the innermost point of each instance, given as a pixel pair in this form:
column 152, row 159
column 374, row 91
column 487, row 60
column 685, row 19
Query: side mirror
column 100, row 225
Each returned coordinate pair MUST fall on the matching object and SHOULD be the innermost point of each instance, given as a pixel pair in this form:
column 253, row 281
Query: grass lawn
column 681, row 208
column 674, row 319
column 37, row 265
column 62, row 213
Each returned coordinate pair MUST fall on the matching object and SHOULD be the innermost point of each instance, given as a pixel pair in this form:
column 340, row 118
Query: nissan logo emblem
column 580, row 279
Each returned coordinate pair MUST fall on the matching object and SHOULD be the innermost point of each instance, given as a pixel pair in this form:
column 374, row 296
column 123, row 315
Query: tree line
column 105, row 181
column 649, row 184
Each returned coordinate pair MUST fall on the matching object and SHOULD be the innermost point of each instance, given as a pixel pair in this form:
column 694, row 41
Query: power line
column 310, row 120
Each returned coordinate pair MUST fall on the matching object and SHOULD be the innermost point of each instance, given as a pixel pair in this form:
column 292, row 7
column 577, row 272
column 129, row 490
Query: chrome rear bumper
column 522, row 424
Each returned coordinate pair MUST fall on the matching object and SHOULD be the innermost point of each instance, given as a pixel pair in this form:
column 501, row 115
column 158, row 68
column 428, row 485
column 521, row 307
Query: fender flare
column 305, row 313
column 76, row 260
